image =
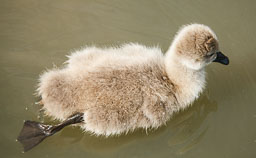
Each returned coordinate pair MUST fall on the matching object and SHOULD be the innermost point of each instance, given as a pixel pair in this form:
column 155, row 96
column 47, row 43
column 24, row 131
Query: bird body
column 119, row 89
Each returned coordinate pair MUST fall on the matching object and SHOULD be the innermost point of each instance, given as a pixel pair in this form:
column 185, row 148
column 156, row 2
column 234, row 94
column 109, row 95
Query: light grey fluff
column 131, row 86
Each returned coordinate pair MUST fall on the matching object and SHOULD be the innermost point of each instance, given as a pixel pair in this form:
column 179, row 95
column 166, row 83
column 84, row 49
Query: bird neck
column 189, row 82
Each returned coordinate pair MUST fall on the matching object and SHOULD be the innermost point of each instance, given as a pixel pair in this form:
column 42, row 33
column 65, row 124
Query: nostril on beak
column 221, row 58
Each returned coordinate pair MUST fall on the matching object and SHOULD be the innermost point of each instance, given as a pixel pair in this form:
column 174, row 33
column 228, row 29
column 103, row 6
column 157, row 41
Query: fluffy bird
column 119, row 89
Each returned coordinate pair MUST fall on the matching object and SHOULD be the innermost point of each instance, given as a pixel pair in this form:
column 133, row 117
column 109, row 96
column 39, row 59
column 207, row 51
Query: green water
column 35, row 35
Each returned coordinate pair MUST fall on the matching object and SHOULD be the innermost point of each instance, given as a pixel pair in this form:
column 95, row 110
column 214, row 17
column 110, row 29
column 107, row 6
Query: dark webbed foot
column 34, row 132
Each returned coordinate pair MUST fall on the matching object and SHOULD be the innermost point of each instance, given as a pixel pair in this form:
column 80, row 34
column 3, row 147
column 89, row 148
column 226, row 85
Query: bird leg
column 34, row 132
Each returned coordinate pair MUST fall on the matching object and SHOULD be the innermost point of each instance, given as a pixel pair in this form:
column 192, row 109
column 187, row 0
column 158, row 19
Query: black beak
column 221, row 58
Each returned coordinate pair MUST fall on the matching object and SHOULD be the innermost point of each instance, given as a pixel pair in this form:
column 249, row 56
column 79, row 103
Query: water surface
column 35, row 35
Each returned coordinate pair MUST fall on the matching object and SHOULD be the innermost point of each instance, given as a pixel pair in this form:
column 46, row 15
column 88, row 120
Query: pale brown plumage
column 132, row 86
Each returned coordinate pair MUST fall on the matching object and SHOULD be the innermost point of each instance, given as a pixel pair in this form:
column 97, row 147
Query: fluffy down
column 131, row 86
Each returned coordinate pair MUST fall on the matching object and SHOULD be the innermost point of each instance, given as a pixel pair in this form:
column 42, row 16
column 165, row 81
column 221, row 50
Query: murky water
column 35, row 35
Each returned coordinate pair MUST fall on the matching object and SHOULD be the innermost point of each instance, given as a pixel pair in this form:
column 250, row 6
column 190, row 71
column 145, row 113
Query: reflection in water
column 187, row 126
